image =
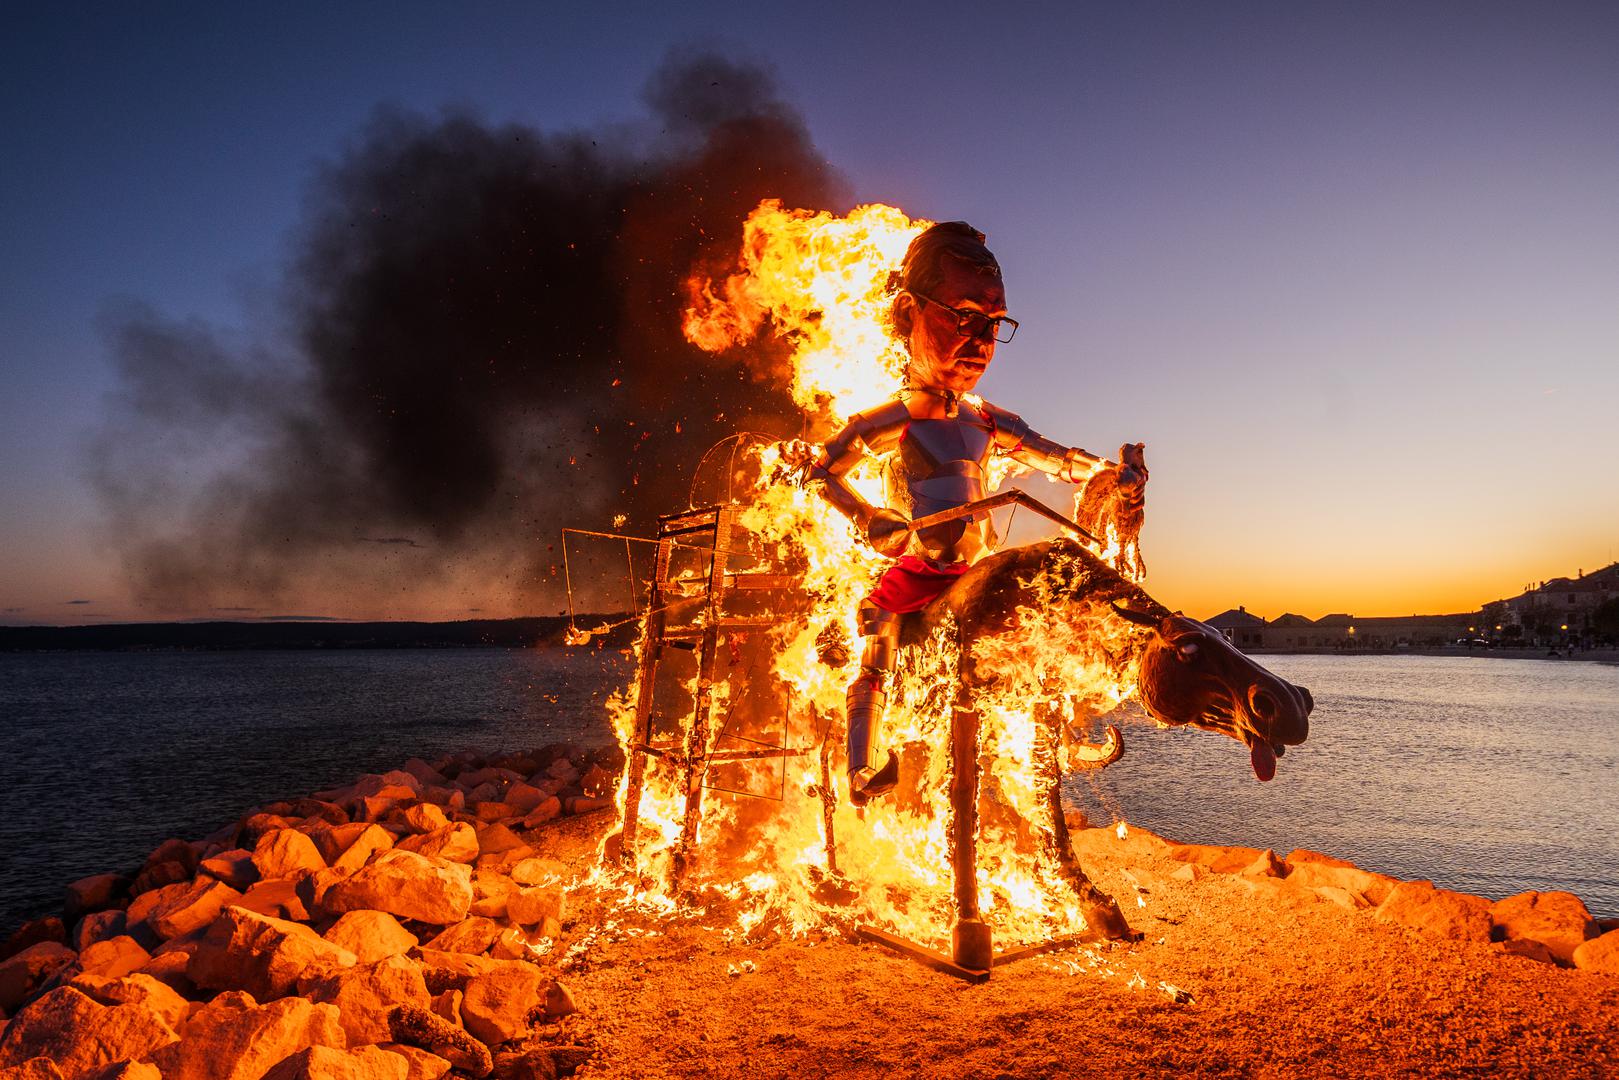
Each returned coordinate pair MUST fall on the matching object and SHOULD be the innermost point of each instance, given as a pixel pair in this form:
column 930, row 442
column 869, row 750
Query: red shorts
column 911, row 584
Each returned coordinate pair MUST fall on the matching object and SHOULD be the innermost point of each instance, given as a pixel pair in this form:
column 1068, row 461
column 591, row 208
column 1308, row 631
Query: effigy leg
column 1101, row 911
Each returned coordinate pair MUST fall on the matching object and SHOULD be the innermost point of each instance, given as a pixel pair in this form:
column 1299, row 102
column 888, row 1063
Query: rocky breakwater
column 400, row 928
column 1548, row 927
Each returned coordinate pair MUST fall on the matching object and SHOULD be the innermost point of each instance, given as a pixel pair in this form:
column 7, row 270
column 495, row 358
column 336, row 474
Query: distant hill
column 213, row 636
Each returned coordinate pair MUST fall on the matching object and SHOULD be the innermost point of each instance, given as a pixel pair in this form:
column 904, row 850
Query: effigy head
column 1190, row 674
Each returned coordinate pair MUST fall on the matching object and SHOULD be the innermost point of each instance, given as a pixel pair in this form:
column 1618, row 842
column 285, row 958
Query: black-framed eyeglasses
column 973, row 323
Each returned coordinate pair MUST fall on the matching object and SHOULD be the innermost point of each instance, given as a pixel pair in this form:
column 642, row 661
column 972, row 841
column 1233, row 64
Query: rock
column 170, row 969
column 448, row 1005
column 31, row 933
column 141, row 908
column 1312, row 870
column 313, row 888
column 95, row 893
column 447, row 970
column 489, row 892
column 1599, row 954
column 532, row 1064
column 256, row 825
column 532, row 906
column 234, row 867
column 136, row 989
column 1190, row 872
column 418, row 1027
column 564, row 770
column 495, row 839
column 585, row 804
column 491, row 812
column 420, row 818
column 327, row 1063
column 408, row 885
column 473, row 935
column 159, row 875
column 99, row 926
column 38, row 1068
column 113, row 957
column 423, row 1064
column 332, row 842
column 1349, row 901
column 1266, row 865
column 457, row 842
column 80, row 1034
column 1558, row 920
column 280, row 852
column 1524, row 947
column 539, row 871
column 600, row 782
column 192, row 909
column 372, row 839
column 1417, row 905
column 173, row 850
column 496, row 1005
column 371, row 935
column 277, row 898
column 424, row 773
column 233, row 1037
column 30, row 969
column 514, row 944
column 559, row 1001
column 502, row 862
column 546, row 811
column 1221, row 860
column 365, row 993
column 523, row 797
column 129, row 1070
column 263, row 956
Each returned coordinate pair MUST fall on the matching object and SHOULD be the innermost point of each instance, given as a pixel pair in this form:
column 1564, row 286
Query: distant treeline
column 471, row 633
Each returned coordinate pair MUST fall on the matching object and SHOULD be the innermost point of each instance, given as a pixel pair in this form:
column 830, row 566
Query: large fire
column 820, row 283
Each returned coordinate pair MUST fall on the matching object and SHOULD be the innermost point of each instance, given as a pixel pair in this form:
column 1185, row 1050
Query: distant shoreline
column 526, row 633
column 1606, row 655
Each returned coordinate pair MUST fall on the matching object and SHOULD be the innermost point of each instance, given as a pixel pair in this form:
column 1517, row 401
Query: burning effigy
column 907, row 787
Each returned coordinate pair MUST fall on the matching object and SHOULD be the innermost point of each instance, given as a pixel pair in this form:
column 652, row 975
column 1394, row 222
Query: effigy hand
column 888, row 532
column 1132, row 469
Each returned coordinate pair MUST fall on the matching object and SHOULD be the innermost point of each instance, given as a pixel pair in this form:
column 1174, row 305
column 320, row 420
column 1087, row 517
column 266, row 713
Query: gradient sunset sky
column 1351, row 271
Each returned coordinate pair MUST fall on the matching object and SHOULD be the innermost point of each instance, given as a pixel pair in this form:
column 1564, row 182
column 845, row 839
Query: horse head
column 1190, row 674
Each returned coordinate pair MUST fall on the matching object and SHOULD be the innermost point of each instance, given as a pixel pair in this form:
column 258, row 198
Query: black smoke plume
column 481, row 343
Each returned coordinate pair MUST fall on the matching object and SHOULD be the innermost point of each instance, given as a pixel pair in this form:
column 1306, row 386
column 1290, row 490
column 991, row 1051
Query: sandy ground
column 1280, row 983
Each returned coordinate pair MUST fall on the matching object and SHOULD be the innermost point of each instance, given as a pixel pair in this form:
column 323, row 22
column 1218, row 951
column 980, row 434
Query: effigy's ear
column 1140, row 618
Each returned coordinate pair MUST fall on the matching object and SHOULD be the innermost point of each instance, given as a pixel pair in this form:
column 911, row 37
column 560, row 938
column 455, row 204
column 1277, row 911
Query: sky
column 1351, row 272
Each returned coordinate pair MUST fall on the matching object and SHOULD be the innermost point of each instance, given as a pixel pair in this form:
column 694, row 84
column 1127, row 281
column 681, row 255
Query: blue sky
column 1349, row 272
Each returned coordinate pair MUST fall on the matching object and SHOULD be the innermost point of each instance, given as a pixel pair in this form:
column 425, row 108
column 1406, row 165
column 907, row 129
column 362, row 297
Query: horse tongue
column 1263, row 759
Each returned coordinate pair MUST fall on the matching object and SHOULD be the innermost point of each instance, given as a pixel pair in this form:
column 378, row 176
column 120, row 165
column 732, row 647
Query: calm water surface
column 1487, row 775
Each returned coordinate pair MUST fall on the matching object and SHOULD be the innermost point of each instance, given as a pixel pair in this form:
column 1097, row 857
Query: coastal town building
column 1559, row 611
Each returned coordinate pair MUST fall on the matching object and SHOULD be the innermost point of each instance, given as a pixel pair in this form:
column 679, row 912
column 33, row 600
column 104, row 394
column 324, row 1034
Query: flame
column 819, row 282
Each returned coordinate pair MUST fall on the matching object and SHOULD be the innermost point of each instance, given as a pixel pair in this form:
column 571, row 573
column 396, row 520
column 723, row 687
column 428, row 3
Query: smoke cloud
column 480, row 343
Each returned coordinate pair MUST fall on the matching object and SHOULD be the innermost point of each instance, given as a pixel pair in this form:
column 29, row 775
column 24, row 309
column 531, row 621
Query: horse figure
column 1021, row 603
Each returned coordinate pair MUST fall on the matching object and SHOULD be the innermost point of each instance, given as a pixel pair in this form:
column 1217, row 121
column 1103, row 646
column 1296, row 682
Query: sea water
column 1487, row 775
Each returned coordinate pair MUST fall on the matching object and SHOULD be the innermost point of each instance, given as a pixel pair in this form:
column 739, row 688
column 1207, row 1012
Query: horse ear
column 1140, row 618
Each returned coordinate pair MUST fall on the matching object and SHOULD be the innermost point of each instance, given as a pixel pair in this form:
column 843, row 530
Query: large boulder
column 365, row 993
column 95, row 893
column 423, row 1064
column 282, row 852
column 99, row 926
column 371, row 935
column 1558, row 920
column 473, row 935
column 233, row 1037
column 1220, row 859
column 408, row 885
column 496, row 1006
column 418, row 818
column 81, row 1035
column 326, row 1063
column 372, row 839
column 456, row 842
column 1599, row 954
column 1419, row 906
column 1313, row 870
column 114, row 957
column 29, row 969
column 234, row 867
column 263, row 956
column 196, row 907
column 136, row 989
column 35, row 1068
column 535, row 906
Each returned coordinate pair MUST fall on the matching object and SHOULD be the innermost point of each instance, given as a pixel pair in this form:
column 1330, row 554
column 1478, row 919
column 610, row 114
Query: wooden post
column 971, row 943
column 646, row 675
